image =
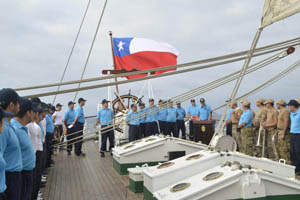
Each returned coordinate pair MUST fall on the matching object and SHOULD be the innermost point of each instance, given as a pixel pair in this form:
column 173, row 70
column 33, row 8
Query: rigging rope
column 210, row 86
column 91, row 48
column 221, row 124
column 71, row 53
column 138, row 79
column 272, row 48
column 264, row 85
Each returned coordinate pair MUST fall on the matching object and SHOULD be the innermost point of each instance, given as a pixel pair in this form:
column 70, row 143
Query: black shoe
column 69, row 153
column 81, row 154
column 102, row 154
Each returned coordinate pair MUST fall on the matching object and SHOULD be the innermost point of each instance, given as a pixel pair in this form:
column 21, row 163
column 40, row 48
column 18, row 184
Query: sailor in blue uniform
column 151, row 116
column 142, row 120
column 171, row 119
column 133, row 121
column 78, row 126
column 295, row 134
column 69, row 118
column 3, row 115
column 105, row 118
column 10, row 146
column 23, row 118
column 204, row 110
column 180, row 120
column 162, row 117
column 49, row 135
column 193, row 114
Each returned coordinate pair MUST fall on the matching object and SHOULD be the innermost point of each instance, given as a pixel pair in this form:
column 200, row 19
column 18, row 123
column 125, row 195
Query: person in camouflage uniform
column 270, row 125
column 283, row 131
column 260, row 116
column 247, row 134
column 234, row 119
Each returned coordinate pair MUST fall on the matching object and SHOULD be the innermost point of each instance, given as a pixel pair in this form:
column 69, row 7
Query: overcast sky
column 36, row 38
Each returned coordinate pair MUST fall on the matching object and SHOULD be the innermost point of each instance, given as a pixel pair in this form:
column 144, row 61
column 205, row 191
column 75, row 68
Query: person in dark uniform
column 78, row 126
column 133, row 121
column 69, row 118
column 19, row 123
column 151, row 118
column 162, row 117
column 142, row 125
column 105, row 118
column 295, row 134
column 10, row 146
column 180, row 120
column 171, row 119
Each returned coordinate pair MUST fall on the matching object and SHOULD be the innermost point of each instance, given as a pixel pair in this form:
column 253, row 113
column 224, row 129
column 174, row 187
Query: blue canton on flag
column 121, row 46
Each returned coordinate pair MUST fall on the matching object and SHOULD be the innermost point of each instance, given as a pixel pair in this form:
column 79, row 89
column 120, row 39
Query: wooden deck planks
column 86, row 178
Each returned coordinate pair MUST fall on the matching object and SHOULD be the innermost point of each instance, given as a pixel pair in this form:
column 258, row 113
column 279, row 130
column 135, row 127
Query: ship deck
column 86, row 178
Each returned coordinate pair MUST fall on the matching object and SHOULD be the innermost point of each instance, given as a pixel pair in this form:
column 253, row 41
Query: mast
column 114, row 64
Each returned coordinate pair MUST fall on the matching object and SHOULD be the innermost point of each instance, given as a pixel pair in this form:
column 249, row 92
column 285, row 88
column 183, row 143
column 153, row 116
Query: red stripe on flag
column 145, row 60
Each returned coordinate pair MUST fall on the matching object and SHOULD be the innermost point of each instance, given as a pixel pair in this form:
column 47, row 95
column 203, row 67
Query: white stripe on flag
column 142, row 44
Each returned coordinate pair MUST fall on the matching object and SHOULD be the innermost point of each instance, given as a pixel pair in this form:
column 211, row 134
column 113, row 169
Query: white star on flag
column 120, row 45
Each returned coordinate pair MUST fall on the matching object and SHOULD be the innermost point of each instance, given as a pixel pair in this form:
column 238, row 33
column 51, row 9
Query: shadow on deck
column 86, row 178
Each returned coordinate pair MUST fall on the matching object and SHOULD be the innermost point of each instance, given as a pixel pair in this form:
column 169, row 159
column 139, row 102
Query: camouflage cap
column 269, row 101
column 281, row 102
column 245, row 102
column 234, row 102
column 260, row 100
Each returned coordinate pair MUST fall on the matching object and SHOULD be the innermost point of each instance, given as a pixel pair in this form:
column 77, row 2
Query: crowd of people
column 165, row 118
column 272, row 131
column 146, row 121
column 27, row 128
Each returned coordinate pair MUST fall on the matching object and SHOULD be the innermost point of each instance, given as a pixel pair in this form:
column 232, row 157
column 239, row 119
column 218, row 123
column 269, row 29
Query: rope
column 272, row 48
column 91, row 48
column 219, row 82
column 256, row 66
column 264, row 85
column 221, row 124
column 71, row 53
column 209, row 86
column 141, row 79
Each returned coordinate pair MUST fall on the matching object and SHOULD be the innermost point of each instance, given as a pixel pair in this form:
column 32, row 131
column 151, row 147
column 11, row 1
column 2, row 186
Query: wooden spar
column 114, row 64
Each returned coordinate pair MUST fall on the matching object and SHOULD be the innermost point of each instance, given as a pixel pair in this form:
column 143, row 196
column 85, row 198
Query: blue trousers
column 181, row 127
column 151, row 128
column 295, row 151
column 172, row 128
column 27, row 184
column 191, row 131
column 14, row 184
column 107, row 135
column 134, row 133
column 163, row 127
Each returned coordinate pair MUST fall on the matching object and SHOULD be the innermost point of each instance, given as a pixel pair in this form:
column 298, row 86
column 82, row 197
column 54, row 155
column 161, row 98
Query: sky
column 37, row 36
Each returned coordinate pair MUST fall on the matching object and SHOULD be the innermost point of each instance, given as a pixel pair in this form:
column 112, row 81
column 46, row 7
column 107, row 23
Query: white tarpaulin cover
column 275, row 10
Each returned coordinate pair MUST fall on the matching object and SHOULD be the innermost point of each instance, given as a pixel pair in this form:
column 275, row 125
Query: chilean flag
column 135, row 54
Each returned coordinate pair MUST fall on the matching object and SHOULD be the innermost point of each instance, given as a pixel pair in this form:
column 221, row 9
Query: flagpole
column 113, row 58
